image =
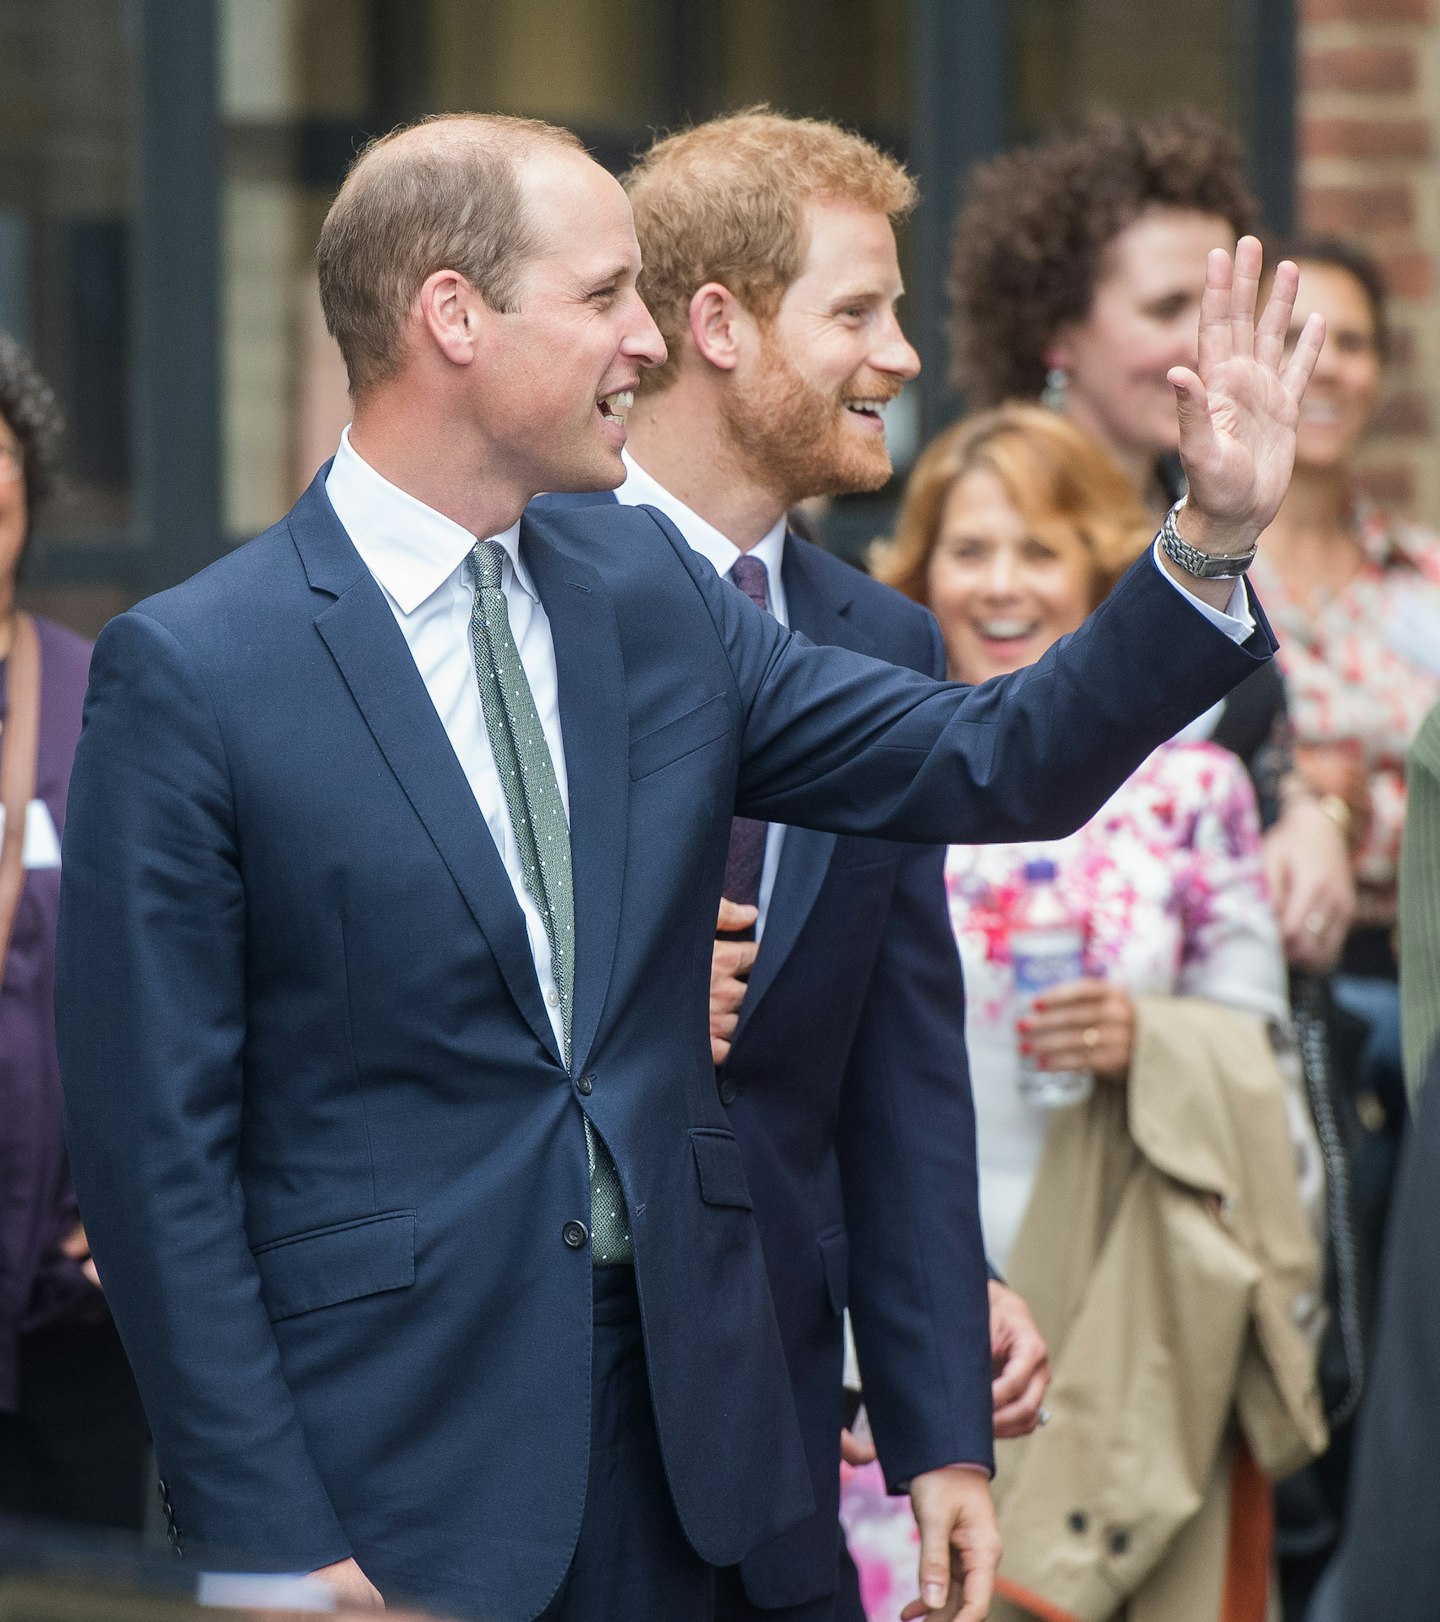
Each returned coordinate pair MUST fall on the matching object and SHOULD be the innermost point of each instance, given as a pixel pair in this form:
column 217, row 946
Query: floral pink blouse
column 1168, row 876
column 1362, row 671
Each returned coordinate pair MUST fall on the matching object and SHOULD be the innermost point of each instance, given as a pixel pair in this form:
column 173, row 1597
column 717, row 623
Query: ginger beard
column 794, row 436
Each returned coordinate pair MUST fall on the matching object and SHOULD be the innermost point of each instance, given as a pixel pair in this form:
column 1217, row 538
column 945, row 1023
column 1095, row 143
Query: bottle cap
column 1040, row 871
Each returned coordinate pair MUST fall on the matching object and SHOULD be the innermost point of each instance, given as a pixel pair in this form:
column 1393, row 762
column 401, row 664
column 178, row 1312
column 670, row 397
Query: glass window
column 305, row 82
column 1069, row 57
column 67, row 184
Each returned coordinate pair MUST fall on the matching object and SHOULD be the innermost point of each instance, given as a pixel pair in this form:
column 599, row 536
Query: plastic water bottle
column 1047, row 948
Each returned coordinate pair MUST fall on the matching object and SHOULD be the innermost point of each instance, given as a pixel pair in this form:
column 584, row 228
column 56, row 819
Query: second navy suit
column 848, row 1089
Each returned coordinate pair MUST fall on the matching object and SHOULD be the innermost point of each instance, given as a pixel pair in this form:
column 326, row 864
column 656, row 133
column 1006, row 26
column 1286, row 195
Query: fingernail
column 1027, row 1047
column 934, row 1595
column 1022, row 1024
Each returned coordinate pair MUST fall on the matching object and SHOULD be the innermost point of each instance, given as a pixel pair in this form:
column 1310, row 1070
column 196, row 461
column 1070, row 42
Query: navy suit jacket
column 324, row 1143
column 848, row 1088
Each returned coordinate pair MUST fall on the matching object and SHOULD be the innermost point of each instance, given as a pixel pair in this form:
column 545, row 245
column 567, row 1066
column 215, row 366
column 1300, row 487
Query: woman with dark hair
column 72, row 1436
column 1076, row 276
column 1354, row 596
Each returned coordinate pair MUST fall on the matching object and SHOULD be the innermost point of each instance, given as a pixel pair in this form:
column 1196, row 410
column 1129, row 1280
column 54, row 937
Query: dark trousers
column 78, row 1449
column 733, row 1604
column 633, row 1562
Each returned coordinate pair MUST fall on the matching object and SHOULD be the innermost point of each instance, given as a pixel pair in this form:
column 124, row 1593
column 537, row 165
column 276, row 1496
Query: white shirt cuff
column 1237, row 622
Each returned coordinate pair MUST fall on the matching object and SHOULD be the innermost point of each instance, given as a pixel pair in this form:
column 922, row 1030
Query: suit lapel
column 370, row 650
column 594, row 723
column 805, row 856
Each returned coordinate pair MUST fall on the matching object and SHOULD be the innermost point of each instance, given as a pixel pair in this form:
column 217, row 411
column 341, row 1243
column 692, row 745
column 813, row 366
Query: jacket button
column 585, row 1084
column 575, row 1234
column 1119, row 1542
column 1077, row 1522
column 728, row 1091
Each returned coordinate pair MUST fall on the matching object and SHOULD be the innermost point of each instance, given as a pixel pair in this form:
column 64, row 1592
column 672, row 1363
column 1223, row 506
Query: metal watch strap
column 1203, row 565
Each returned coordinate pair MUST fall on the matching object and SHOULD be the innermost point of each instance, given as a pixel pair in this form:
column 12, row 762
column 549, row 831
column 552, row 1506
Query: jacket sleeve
column 906, row 1139
column 151, row 1018
column 833, row 740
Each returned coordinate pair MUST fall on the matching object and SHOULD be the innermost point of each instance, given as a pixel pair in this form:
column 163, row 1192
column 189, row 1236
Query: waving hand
column 1239, row 410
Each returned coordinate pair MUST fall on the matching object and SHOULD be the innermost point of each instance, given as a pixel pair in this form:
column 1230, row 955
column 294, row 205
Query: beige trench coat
column 1170, row 1264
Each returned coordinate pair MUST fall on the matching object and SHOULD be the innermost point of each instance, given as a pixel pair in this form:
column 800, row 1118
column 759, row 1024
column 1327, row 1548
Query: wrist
column 1296, row 792
column 1206, row 534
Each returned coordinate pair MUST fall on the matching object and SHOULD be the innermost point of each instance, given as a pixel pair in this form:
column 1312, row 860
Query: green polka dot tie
column 542, row 833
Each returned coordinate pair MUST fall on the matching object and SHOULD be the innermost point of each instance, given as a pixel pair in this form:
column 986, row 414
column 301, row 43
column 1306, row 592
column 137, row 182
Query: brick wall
column 1369, row 133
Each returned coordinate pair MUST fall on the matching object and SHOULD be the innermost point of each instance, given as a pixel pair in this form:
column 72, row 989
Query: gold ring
column 1316, row 922
column 1090, row 1037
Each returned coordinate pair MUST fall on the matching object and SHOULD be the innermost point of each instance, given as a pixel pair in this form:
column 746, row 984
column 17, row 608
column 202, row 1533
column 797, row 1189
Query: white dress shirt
column 417, row 556
column 639, row 489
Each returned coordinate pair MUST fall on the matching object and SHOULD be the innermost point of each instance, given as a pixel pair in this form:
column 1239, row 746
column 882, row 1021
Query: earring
column 1056, row 390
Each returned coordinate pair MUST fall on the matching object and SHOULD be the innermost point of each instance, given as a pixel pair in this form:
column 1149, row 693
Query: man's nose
column 642, row 342
column 896, row 354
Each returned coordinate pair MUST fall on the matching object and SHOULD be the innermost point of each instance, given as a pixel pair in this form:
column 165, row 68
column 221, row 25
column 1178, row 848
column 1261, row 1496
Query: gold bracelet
column 1339, row 813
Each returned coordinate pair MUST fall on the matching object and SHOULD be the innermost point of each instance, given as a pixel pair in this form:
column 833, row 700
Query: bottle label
column 1044, row 958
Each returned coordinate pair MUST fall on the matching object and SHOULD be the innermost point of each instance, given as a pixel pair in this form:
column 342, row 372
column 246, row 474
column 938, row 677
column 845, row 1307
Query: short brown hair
column 442, row 194
column 1056, row 475
column 725, row 202
column 1030, row 242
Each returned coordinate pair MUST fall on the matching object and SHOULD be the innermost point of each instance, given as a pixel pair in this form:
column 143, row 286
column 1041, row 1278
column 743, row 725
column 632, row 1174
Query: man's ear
column 452, row 313
column 717, row 322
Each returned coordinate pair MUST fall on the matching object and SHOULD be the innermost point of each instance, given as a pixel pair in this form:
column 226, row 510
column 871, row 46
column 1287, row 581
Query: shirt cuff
column 960, row 1464
column 1237, row 622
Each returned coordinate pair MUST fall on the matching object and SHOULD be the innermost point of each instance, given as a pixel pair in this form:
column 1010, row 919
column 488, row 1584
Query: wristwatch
column 1203, row 565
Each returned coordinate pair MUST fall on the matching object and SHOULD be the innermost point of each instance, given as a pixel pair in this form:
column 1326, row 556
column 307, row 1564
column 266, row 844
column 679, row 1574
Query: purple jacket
column 37, row 1204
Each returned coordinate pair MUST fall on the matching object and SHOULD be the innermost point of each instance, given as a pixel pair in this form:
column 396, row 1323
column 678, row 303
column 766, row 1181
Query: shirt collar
column 411, row 549
column 701, row 536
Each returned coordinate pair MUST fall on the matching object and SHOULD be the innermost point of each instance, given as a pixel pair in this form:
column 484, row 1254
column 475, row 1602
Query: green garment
column 1420, row 904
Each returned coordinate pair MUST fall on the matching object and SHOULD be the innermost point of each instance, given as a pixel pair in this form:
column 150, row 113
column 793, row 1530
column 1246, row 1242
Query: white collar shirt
column 640, row 489
column 417, row 557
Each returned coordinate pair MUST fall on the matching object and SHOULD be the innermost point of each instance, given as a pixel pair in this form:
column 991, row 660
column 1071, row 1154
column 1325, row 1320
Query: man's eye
column 603, row 295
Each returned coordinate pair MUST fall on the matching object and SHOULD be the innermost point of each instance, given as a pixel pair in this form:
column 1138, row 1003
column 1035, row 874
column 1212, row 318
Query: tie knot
column 752, row 578
column 486, row 558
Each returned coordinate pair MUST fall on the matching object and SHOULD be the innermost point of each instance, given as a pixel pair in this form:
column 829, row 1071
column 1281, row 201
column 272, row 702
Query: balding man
column 393, row 855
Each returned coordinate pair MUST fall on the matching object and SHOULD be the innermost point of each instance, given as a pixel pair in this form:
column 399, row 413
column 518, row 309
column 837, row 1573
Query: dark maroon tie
column 746, row 858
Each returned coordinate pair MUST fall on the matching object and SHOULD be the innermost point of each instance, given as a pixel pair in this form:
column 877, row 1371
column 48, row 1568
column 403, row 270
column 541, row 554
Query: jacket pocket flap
column 835, row 1259
column 722, row 1172
column 680, row 737
column 339, row 1263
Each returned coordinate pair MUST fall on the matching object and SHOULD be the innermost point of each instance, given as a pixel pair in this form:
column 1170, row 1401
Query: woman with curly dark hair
column 1077, row 270
column 72, row 1436
column 1075, row 277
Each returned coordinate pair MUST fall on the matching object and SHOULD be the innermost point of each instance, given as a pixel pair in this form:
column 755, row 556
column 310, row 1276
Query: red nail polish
column 1027, row 1047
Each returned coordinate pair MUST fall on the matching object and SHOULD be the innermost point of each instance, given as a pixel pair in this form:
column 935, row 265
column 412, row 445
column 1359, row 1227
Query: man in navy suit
column 393, row 854
column 838, row 1035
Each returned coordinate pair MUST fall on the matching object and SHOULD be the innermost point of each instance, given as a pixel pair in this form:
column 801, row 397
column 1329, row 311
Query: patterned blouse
column 1168, row 876
column 1363, row 670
